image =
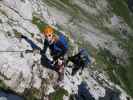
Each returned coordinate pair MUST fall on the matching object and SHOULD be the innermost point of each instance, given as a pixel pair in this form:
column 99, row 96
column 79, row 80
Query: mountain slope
column 92, row 24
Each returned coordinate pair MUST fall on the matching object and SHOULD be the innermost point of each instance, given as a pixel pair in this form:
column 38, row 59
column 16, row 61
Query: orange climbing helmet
column 48, row 31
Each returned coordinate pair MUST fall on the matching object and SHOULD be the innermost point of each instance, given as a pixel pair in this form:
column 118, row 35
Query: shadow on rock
column 9, row 96
column 83, row 93
column 111, row 95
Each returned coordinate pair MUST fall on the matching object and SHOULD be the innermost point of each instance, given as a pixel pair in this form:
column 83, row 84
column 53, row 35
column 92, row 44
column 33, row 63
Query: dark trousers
column 46, row 62
column 77, row 63
column 74, row 59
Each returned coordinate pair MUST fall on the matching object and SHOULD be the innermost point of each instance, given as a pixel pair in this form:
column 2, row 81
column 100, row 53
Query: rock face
column 22, row 72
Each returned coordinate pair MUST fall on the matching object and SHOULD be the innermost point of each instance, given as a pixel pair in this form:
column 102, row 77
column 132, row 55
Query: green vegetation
column 128, row 46
column 67, row 2
column 123, row 73
column 16, row 33
column 58, row 94
column 31, row 94
column 78, row 14
column 40, row 24
column 120, row 8
column 119, row 74
column 3, row 86
column 109, row 64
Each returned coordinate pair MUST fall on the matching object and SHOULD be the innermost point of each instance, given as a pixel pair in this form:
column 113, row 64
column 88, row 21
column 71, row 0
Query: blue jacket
column 58, row 48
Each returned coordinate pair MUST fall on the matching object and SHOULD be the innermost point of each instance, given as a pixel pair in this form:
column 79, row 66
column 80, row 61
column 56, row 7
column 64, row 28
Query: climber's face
column 48, row 33
column 49, row 37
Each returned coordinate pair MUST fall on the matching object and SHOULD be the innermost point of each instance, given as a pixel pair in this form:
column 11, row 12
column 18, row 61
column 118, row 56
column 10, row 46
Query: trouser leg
column 74, row 70
column 46, row 62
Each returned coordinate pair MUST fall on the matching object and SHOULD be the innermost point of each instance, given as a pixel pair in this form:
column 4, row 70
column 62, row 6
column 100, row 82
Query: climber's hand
column 28, row 51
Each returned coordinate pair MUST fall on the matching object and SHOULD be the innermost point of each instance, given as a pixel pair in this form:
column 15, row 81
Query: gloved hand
column 28, row 51
column 32, row 51
column 24, row 37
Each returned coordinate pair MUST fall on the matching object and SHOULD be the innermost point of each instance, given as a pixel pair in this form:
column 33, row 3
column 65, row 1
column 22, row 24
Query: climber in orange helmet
column 58, row 46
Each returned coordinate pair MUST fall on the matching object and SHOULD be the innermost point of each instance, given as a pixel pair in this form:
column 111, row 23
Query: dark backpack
column 84, row 56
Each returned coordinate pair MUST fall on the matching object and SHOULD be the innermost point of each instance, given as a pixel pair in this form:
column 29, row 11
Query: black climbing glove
column 24, row 37
column 28, row 51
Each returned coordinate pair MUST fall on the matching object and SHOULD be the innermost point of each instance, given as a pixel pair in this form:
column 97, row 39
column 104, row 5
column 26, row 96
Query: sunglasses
column 49, row 35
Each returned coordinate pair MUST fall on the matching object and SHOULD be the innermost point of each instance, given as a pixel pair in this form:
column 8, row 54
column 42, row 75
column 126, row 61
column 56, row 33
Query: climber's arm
column 46, row 44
